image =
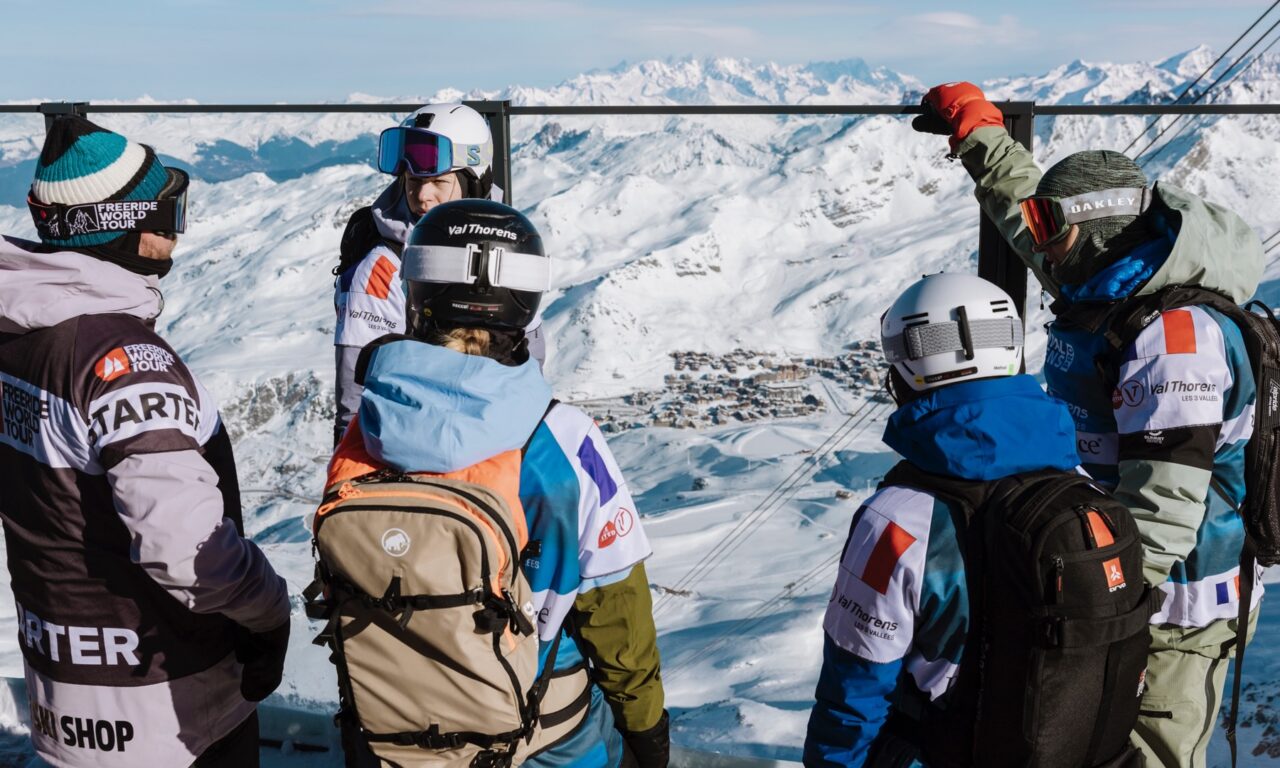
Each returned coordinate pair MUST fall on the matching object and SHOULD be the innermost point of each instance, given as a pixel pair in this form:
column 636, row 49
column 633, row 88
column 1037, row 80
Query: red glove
column 962, row 106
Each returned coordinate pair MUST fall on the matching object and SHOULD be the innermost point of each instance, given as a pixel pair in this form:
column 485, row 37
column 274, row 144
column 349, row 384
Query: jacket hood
column 391, row 213
column 1213, row 248
column 430, row 409
column 41, row 288
column 985, row 430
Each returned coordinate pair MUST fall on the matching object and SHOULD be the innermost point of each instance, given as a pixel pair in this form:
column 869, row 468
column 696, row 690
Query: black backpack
column 1055, row 657
column 360, row 237
column 1261, row 509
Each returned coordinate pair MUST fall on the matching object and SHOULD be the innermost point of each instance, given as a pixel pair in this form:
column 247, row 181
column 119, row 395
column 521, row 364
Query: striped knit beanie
column 85, row 163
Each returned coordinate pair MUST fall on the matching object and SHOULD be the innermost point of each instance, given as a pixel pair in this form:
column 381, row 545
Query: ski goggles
column 1049, row 219
column 420, row 152
column 451, row 264
column 166, row 215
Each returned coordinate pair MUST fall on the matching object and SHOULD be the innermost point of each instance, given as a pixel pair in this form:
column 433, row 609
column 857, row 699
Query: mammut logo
column 21, row 413
column 619, row 526
column 395, row 542
column 1114, row 574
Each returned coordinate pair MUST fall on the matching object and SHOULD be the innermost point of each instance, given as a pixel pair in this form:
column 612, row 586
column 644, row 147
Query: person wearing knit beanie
column 84, row 163
column 1098, row 242
column 1157, row 372
column 121, row 509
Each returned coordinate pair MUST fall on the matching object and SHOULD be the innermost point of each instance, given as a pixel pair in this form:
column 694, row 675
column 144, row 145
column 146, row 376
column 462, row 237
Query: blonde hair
column 469, row 341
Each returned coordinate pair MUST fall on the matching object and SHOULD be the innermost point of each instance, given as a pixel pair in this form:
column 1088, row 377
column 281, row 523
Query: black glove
column 651, row 748
column 262, row 654
column 931, row 121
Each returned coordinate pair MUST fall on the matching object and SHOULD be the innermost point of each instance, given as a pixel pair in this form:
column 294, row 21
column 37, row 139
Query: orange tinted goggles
column 1044, row 218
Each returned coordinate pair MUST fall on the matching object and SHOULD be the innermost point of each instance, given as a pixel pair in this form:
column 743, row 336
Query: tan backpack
column 431, row 621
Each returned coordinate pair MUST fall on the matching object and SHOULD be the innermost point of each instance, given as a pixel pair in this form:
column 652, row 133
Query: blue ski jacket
column 896, row 624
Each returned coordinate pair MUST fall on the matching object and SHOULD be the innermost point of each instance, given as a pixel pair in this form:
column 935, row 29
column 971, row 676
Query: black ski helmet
column 476, row 264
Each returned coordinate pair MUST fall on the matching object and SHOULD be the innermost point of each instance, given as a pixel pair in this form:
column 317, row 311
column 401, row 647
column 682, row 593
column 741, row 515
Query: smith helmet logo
column 133, row 358
column 473, row 155
column 621, row 524
column 108, row 217
column 395, row 542
column 1114, row 573
column 21, row 413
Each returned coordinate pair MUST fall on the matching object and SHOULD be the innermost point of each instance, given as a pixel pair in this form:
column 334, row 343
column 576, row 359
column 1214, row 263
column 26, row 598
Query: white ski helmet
column 952, row 327
column 465, row 127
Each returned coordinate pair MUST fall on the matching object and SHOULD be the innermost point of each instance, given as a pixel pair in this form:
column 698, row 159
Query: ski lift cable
column 761, row 507
column 1203, row 120
column 748, row 525
column 766, row 508
column 1210, row 87
column 725, row 553
column 790, row 592
column 1200, row 77
column 1272, row 237
column 782, row 501
column 793, row 590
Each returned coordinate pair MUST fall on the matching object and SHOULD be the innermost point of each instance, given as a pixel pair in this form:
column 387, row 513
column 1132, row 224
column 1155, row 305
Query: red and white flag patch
column 886, row 553
column 1179, row 332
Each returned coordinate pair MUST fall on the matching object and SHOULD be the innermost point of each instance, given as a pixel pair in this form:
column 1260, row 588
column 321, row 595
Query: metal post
column 498, row 113
column 52, row 109
column 996, row 260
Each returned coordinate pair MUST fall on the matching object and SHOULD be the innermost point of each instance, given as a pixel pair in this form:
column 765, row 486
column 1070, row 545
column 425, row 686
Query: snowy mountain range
column 707, row 233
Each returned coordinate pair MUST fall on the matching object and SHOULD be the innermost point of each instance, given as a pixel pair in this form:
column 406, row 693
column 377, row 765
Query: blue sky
column 290, row 50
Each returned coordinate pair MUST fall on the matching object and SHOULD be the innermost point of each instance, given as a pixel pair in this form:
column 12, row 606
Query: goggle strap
column 451, row 264
column 1121, row 201
column 62, row 222
column 940, row 338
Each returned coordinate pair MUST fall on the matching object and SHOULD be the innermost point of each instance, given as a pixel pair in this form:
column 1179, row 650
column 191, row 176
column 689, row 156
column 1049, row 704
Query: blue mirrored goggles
column 415, row 151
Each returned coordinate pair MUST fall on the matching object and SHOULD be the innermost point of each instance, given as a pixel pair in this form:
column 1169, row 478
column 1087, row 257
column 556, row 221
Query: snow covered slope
column 788, row 235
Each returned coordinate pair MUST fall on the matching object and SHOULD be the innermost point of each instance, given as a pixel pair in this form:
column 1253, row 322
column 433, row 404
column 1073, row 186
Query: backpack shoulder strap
column 969, row 495
column 361, row 236
column 1123, row 324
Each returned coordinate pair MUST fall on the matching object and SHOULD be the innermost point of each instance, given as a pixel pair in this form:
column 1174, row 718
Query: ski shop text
column 82, row 732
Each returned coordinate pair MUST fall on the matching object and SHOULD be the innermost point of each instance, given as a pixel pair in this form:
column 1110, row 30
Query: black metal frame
column 996, row 260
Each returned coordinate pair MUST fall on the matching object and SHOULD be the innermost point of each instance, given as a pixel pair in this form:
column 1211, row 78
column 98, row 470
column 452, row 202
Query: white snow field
column 784, row 235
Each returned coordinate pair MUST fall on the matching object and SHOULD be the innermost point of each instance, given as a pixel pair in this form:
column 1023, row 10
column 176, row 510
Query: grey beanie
column 1101, row 241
